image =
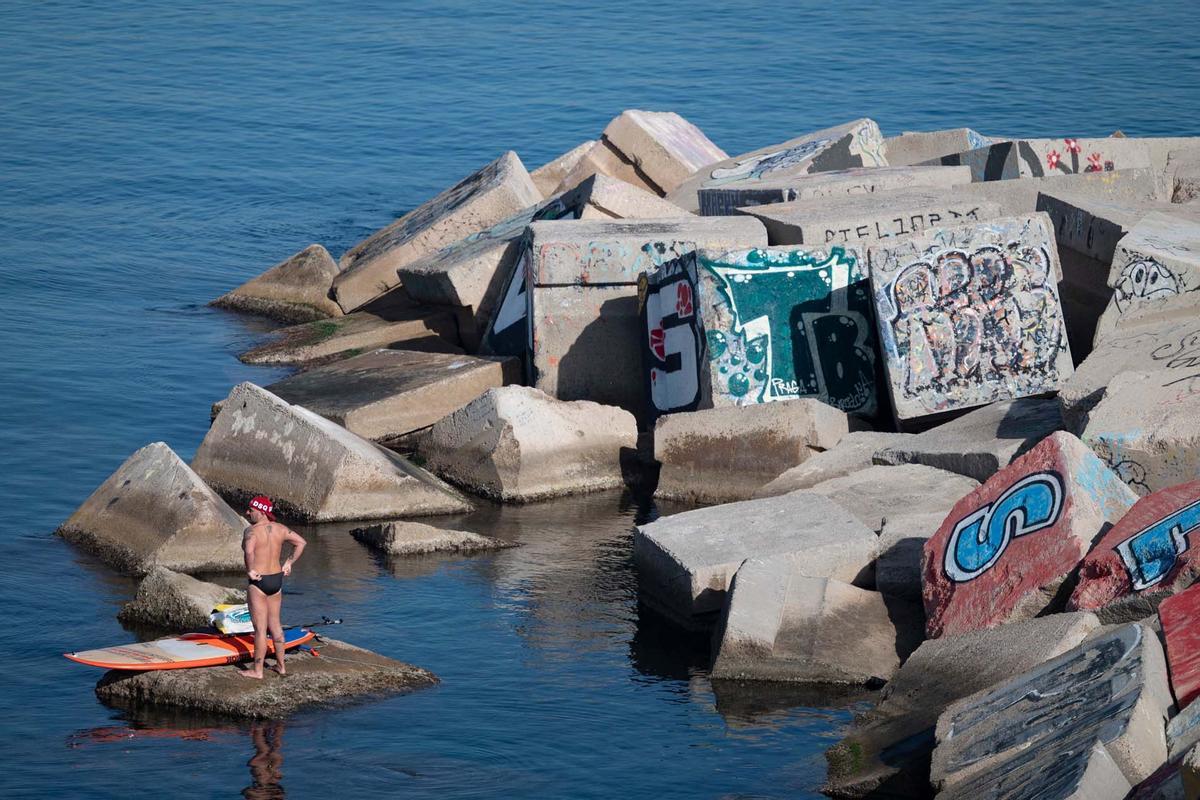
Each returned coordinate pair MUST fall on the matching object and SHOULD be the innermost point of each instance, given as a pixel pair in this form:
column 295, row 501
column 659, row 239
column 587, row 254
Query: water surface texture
column 154, row 156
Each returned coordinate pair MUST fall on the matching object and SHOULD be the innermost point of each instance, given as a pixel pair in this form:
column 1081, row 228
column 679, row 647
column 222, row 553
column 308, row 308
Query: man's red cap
column 264, row 504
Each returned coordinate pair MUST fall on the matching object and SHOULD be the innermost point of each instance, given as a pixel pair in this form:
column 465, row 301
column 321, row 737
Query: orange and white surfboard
column 182, row 652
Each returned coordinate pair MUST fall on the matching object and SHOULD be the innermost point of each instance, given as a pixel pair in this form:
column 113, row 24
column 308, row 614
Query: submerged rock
column 155, row 511
column 174, row 601
column 294, row 290
column 341, row 672
column 414, row 538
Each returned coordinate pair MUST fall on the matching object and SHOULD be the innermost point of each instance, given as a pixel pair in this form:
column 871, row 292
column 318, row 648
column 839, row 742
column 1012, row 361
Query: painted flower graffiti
column 1095, row 161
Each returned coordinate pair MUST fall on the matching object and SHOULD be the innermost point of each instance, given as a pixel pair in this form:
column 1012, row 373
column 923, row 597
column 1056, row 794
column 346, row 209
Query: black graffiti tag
column 1184, row 355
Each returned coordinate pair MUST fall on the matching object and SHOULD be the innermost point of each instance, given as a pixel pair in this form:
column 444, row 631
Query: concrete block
column 1158, row 258
column 313, row 469
column 1092, row 225
column 723, row 200
column 1005, row 549
column 982, row 442
column 518, row 444
column 1038, row 158
column 294, row 290
column 1145, row 429
column 665, row 147
column 969, row 315
column 424, row 329
column 780, row 625
column 875, row 493
column 851, row 454
column 902, row 549
column 1021, row 196
column 1183, row 730
column 1183, row 175
column 494, row 193
column 604, row 158
column 473, row 273
column 154, row 511
column 1146, row 556
column 887, row 750
column 548, row 176
column 1179, row 616
column 1012, row 740
column 173, row 601
column 407, row 538
column 724, row 454
column 854, row 144
column 340, row 673
column 742, row 327
column 1084, row 774
column 858, row 219
column 915, row 147
column 686, row 561
column 384, row 394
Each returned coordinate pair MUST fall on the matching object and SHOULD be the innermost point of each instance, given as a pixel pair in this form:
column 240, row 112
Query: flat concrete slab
column 385, row 393
column 342, row 672
column 854, row 452
column 407, row 538
column 426, row 329
column 1038, row 158
column 1021, row 196
column 878, row 492
column 294, row 290
column 915, row 147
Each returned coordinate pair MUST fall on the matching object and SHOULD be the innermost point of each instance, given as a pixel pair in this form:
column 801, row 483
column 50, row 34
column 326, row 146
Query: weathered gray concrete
column 1145, row 428
column 548, row 176
column 686, row 561
column 1183, row 731
column 664, row 147
column 342, row 672
column 604, row 158
column 406, row 538
column 312, row 468
column 155, row 511
column 384, row 394
column 902, row 549
column 176, row 602
column 854, row 144
column 495, row 192
column 294, row 290
column 982, row 442
column 1183, row 175
column 724, row 454
column 915, row 147
column 865, row 217
column 518, row 444
column 851, row 454
column 779, row 625
column 1021, row 196
column 877, row 492
column 473, row 273
column 1038, row 158
column 887, row 751
column 426, row 329
column 972, row 322
column 1158, row 258
column 1092, row 225
column 1083, row 774
column 1010, row 740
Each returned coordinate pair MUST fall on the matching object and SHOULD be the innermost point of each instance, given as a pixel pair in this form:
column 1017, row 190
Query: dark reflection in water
column 266, row 765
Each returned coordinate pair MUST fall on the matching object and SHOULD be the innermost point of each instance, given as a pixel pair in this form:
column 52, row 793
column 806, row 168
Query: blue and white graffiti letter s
column 980, row 538
column 1150, row 554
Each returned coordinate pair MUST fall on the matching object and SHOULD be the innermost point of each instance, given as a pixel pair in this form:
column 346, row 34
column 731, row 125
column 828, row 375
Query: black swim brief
column 269, row 584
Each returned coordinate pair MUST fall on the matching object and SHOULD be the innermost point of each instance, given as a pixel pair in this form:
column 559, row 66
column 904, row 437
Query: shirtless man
column 263, row 545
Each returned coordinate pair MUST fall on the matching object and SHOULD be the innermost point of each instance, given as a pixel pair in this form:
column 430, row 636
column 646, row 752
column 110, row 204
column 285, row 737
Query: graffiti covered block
column 727, row 199
column 1092, row 225
column 1006, row 547
column 1158, row 258
column 762, row 325
column 1038, row 158
column 969, row 315
column 1148, row 554
column 854, row 144
column 1180, row 617
column 921, row 146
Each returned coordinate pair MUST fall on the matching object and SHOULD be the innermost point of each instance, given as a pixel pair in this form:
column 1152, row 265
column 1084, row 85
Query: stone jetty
column 938, row 388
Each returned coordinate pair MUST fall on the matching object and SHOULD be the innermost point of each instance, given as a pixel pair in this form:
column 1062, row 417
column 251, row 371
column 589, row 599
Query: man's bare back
column 262, row 545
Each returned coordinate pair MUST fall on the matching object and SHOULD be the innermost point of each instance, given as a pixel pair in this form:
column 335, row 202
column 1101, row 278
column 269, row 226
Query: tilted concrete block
column 426, row 329
column 294, row 290
column 1146, row 556
column 915, row 147
column 858, row 219
column 548, row 176
column 604, row 158
column 1158, row 258
column 312, row 468
column 517, row 444
column 851, row 454
column 854, row 144
column 1179, row 616
column 1037, row 158
column 686, row 561
column 385, row 394
column 742, row 327
column 878, row 492
column 1006, row 548
column 173, row 601
column 1092, row 225
column 902, row 541
column 724, row 454
column 969, row 315
column 1183, row 175
column 723, row 200
column 154, row 511
column 665, row 147
column 1013, row 739
column 494, row 193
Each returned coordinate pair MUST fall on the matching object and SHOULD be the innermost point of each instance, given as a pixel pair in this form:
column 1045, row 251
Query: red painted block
column 1004, row 551
column 1155, row 548
column 1180, row 617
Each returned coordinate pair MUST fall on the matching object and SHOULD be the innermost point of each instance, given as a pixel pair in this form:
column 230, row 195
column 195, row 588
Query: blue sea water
column 153, row 156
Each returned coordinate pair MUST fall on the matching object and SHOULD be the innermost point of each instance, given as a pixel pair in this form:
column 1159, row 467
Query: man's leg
column 274, row 605
column 259, row 618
